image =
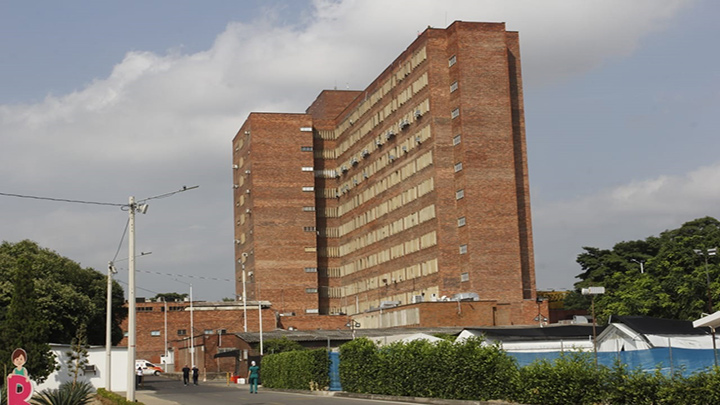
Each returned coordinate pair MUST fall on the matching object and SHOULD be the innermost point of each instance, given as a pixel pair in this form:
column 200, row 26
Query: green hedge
column 471, row 371
column 301, row 370
column 423, row 369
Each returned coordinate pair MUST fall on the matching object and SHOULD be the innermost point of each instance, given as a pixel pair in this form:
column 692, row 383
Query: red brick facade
column 209, row 320
column 411, row 190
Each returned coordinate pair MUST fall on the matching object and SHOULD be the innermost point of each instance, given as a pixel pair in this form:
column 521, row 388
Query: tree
column 67, row 294
column 170, row 297
column 78, row 354
column 23, row 328
column 674, row 282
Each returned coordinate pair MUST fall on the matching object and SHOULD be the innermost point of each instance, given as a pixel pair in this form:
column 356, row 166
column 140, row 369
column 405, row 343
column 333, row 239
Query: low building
column 94, row 372
column 628, row 333
column 553, row 338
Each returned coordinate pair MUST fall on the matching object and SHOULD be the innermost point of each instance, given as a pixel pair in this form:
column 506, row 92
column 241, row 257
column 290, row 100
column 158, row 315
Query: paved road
column 164, row 391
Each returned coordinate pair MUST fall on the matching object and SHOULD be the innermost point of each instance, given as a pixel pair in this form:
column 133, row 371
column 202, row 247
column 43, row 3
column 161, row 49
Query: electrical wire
column 122, row 239
column 185, row 188
column 61, row 200
column 179, row 275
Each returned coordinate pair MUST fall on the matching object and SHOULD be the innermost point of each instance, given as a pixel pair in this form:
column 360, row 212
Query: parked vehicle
column 147, row 367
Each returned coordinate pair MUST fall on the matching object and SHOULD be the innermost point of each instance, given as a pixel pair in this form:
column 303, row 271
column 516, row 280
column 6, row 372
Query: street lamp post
column 142, row 208
column 592, row 292
column 192, row 324
column 353, row 324
column 108, row 328
column 540, row 318
column 641, row 263
column 705, row 254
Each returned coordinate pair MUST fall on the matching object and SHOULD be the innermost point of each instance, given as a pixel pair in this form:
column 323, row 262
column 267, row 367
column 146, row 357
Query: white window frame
column 461, row 222
column 458, row 167
column 455, row 113
column 463, row 249
column 453, row 86
column 457, row 139
column 460, row 194
column 452, row 60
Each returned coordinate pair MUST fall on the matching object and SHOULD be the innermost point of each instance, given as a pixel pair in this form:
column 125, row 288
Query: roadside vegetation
column 473, row 371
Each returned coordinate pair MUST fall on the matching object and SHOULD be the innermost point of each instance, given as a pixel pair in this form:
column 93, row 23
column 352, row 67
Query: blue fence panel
column 685, row 361
column 334, row 372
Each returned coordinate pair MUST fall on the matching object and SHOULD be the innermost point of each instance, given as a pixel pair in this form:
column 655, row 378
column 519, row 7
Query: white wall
column 96, row 357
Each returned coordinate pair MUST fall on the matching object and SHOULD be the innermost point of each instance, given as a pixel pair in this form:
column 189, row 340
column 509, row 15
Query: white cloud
column 158, row 122
column 627, row 212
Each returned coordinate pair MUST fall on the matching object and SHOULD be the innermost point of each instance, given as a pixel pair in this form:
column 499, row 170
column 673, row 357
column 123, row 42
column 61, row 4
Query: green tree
column 78, row 354
column 23, row 328
column 67, row 294
column 673, row 285
column 170, row 297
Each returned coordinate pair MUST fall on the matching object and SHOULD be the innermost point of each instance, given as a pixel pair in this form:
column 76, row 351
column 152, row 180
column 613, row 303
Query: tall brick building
column 414, row 189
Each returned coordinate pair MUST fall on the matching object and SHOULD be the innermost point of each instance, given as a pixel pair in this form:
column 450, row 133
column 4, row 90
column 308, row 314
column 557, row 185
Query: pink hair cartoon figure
column 19, row 387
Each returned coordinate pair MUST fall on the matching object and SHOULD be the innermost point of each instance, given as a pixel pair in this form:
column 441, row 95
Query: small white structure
column 553, row 338
column 94, row 371
column 627, row 333
column 406, row 337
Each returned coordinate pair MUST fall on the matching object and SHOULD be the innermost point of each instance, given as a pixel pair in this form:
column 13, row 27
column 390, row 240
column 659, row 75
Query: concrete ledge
column 414, row 400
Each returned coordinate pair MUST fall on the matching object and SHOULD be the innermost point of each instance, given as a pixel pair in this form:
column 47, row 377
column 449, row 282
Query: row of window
column 425, row 241
column 397, row 276
column 397, row 177
column 389, row 156
column 400, row 124
column 397, row 77
column 183, row 332
column 403, row 224
column 362, row 305
column 171, row 308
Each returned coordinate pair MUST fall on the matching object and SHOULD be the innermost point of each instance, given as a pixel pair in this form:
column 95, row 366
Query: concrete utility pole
column 130, row 391
column 108, row 329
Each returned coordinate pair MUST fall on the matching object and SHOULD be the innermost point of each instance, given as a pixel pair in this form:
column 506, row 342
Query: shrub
column 466, row 370
column 115, row 398
column 698, row 388
column 296, row 370
column 360, row 367
column 79, row 393
column 572, row 378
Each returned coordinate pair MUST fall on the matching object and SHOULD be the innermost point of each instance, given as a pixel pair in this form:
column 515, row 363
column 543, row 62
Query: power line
column 180, row 275
column 122, row 238
column 185, row 188
column 61, row 200
column 34, row 197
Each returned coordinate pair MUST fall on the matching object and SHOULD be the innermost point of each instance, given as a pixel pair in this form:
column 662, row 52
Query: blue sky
column 103, row 100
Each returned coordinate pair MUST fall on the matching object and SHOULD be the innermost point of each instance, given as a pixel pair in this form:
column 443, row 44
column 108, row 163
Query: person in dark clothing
column 253, row 377
column 138, row 377
column 196, row 372
column 186, row 374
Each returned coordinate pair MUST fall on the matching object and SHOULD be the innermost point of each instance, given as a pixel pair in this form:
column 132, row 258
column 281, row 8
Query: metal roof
column 339, row 334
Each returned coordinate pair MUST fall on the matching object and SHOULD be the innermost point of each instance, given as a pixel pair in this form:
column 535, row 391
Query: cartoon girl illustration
column 19, row 357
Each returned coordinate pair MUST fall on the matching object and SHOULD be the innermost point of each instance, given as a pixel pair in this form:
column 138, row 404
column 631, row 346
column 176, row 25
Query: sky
column 100, row 101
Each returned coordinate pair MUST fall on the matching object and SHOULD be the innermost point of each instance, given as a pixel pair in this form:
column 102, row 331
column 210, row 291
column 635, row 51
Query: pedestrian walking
column 253, row 377
column 196, row 373
column 138, row 377
column 186, row 374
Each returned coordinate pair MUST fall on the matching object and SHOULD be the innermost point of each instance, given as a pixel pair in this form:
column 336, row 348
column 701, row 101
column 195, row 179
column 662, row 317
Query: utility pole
column 108, row 328
column 130, row 396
